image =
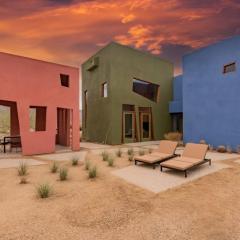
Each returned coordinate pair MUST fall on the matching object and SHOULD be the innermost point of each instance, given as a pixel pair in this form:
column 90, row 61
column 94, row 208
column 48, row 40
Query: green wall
column 118, row 65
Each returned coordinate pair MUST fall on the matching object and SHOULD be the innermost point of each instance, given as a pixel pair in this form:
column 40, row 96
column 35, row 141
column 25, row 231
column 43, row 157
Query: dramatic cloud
column 69, row 31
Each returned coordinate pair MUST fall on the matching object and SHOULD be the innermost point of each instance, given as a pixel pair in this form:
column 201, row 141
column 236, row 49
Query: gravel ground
column 110, row 208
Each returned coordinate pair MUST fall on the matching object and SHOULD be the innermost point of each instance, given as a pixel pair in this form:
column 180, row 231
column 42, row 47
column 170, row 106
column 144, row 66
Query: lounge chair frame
column 158, row 162
column 185, row 170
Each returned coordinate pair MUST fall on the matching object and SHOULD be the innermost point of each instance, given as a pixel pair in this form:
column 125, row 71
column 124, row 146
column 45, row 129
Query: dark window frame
column 232, row 68
column 102, row 90
column 65, row 80
column 40, row 126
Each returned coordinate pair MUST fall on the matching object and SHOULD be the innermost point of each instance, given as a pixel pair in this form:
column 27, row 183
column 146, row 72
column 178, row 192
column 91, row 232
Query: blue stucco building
column 211, row 94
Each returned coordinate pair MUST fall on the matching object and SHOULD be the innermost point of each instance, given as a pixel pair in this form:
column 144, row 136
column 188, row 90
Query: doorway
column 64, row 127
column 145, row 124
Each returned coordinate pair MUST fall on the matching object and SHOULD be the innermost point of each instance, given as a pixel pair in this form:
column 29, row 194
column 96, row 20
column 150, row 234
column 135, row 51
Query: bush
column 22, row 169
column 130, row 151
column 54, row 167
column 221, row 149
column 87, row 164
column 105, row 156
column 63, row 174
column 92, row 172
column 173, row 136
column 131, row 157
column 23, row 180
column 119, row 152
column 44, row 190
column 141, row 152
column 75, row 160
column 110, row 161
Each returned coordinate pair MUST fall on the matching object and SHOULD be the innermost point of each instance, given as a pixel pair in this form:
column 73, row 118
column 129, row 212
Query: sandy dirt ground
column 112, row 209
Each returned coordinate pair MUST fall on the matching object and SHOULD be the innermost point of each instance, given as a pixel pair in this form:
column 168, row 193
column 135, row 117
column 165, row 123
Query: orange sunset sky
column 69, row 31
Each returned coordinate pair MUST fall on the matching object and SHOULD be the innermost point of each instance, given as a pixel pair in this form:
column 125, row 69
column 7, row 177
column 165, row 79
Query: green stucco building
column 125, row 96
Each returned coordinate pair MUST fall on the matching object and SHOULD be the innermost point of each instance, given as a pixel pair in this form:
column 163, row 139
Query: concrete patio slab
column 141, row 144
column 92, row 146
column 156, row 181
column 67, row 156
column 10, row 163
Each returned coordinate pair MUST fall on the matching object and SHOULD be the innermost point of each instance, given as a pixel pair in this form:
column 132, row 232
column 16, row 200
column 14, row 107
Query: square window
column 64, row 80
column 37, row 118
column 229, row 68
column 104, row 90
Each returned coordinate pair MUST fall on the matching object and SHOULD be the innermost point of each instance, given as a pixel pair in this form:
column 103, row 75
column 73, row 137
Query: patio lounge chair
column 193, row 156
column 165, row 152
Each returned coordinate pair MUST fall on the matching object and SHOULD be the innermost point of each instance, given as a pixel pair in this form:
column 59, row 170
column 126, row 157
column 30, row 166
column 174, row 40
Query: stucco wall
column 211, row 99
column 30, row 82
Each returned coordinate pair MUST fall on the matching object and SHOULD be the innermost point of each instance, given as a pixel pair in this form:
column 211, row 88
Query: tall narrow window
column 64, row 80
column 37, row 118
column 85, row 107
column 104, row 90
column 229, row 68
column 146, row 89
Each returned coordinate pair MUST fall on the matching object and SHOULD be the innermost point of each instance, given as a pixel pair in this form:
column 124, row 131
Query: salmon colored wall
column 31, row 82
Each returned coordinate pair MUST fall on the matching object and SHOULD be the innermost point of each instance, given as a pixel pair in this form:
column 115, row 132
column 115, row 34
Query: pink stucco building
column 52, row 91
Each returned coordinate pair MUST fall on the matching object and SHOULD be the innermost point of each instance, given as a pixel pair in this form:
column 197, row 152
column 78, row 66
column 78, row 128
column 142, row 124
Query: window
column 146, row 89
column 104, row 91
column 64, row 80
column 85, row 107
column 229, row 68
column 37, row 118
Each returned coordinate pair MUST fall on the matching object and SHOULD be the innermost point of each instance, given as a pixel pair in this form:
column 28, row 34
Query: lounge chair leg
column 154, row 166
column 161, row 168
column 185, row 174
column 135, row 162
column 210, row 162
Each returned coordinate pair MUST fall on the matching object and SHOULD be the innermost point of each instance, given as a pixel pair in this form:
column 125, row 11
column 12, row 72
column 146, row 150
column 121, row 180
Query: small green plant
column 63, row 174
column 130, row 151
column 141, row 152
column 105, row 156
column 92, row 172
column 23, row 180
column 87, row 164
column 44, row 190
column 110, row 161
column 131, row 157
column 22, row 169
column 119, row 152
column 150, row 150
column 75, row 160
column 54, row 167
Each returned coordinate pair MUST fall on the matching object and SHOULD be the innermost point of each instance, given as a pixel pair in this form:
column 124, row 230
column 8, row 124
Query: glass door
column 128, row 127
column 146, row 126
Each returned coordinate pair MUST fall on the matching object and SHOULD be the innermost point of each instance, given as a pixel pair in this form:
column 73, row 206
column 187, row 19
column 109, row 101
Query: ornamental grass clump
column 92, row 173
column 110, row 161
column 54, row 167
column 119, row 152
column 44, row 190
column 87, row 164
column 63, row 174
column 22, row 169
column 105, row 156
column 130, row 151
column 131, row 157
column 150, row 150
column 23, row 180
column 75, row 160
column 141, row 152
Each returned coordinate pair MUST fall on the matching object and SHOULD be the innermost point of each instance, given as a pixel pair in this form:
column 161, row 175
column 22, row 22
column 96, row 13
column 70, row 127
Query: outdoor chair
column 193, row 156
column 165, row 151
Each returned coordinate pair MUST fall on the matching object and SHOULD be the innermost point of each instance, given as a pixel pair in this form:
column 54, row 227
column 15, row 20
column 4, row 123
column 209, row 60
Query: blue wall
column 211, row 99
column 175, row 106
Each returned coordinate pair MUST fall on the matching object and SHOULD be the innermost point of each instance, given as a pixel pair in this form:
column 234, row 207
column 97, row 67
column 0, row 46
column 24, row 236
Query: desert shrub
column 75, row 160
column 221, row 149
column 22, row 169
column 119, row 152
column 141, row 152
column 110, row 161
column 229, row 149
column 130, row 151
column 173, row 136
column 105, row 156
column 87, row 164
column 131, row 157
column 63, row 174
column 92, row 173
column 44, row 190
column 54, row 167
column 23, row 180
